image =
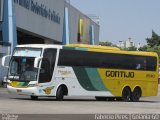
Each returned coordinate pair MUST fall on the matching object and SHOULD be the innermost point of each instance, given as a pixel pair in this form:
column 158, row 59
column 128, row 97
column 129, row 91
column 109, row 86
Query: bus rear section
column 107, row 73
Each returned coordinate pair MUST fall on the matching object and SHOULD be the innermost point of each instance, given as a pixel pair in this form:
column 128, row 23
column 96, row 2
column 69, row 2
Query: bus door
column 47, row 66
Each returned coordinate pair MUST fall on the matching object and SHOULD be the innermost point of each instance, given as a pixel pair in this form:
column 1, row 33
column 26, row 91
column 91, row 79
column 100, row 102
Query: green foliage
column 154, row 40
column 154, row 49
column 105, row 43
column 113, row 45
column 153, row 44
column 144, row 48
column 133, row 48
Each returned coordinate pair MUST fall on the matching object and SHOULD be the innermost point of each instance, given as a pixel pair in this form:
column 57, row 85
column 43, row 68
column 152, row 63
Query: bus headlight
column 32, row 85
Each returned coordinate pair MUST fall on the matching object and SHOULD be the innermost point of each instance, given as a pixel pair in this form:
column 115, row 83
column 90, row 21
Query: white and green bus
column 81, row 70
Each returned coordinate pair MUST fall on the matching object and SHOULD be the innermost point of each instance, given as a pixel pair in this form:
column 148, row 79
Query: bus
column 81, row 70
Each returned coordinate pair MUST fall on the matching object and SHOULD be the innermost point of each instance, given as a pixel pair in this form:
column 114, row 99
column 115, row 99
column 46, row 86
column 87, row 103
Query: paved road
column 23, row 105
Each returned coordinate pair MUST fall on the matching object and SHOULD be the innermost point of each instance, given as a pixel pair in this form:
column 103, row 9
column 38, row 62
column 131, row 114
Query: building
column 126, row 44
column 43, row 22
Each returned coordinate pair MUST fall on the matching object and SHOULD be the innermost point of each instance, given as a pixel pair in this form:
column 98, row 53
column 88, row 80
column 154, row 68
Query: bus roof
column 86, row 47
column 40, row 46
column 92, row 46
column 109, row 49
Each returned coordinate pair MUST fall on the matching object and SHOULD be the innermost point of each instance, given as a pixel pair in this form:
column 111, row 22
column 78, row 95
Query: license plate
column 19, row 90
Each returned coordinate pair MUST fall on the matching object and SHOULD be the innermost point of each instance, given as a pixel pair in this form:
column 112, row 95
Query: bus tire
column 126, row 94
column 34, row 97
column 136, row 94
column 60, row 94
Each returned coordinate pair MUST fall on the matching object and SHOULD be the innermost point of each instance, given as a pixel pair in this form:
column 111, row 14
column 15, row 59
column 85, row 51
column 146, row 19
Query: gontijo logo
column 48, row 90
column 120, row 74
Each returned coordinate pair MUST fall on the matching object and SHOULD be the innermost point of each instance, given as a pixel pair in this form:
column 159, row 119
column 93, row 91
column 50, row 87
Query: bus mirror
column 5, row 61
column 36, row 62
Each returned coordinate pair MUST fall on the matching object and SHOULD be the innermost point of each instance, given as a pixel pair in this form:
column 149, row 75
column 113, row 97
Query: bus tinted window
column 47, row 66
column 151, row 63
column 106, row 60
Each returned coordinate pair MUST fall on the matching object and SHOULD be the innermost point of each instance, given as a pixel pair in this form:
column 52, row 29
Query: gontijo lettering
column 119, row 74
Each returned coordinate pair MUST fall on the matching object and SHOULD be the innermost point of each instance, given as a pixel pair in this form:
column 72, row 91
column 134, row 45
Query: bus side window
column 44, row 72
column 138, row 67
column 47, row 66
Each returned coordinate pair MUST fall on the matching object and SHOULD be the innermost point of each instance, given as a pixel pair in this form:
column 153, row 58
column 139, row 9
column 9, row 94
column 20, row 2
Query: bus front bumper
column 31, row 91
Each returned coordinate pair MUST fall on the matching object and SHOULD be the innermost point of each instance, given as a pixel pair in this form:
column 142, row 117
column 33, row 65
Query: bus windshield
column 22, row 64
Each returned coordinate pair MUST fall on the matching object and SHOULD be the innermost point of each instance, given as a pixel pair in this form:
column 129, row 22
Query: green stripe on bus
column 23, row 84
column 95, row 79
column 68, row 48
column 75, row 48
column 84, row 79
column 82, row 49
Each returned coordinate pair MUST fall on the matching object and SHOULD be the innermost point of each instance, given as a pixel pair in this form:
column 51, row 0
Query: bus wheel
column 60, row 94
column 126, row 94
column 101, row 98
column 136, row 94
column 34, row 97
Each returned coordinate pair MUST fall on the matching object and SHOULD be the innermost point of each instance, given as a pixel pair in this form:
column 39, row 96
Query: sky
column 123, row 19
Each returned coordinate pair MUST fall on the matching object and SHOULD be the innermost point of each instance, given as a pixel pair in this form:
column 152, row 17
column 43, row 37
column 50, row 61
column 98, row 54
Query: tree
column 153, row 44
column 107, row 44
column 133, row 48
column 154, row 40
column 144, row 48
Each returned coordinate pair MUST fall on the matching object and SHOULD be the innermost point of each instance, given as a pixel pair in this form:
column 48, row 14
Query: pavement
column 79, row 108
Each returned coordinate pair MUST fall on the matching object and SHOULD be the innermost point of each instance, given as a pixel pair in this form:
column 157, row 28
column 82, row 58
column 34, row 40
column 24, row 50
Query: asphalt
column 73, row 107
